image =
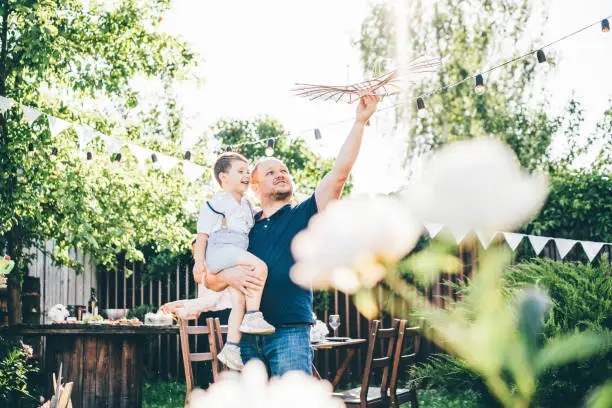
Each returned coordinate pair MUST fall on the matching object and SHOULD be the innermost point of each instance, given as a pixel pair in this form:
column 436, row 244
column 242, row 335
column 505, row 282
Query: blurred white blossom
column 476, row 184
column 252, row 389
column 347, row 245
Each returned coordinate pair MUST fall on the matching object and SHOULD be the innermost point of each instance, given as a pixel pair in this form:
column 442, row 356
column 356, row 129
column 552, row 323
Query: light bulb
column 480, row 89
column 421, row 111
column 270, row 148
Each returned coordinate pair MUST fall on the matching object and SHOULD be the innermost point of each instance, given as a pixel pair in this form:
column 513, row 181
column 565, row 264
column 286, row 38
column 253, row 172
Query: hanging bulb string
column 440, row 89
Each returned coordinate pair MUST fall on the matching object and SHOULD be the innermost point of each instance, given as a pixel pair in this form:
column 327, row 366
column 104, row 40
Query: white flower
column 28, row 350
column 347, row 245
column 252, row 389
column 476, row 184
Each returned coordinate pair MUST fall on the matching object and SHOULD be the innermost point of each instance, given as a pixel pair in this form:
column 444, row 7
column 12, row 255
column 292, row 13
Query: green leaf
column 571, row 348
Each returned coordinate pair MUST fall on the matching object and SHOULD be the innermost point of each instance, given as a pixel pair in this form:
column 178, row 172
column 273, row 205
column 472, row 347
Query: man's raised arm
column 330, row 188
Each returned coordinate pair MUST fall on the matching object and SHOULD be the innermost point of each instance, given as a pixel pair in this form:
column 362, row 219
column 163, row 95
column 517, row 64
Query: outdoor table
column 350, row 346
column 104, row 362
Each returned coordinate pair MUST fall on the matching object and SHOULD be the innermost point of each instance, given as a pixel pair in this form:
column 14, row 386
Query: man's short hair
column 224, row 163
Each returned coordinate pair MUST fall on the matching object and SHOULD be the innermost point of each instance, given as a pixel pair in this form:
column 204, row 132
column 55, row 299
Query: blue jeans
column 286, row 350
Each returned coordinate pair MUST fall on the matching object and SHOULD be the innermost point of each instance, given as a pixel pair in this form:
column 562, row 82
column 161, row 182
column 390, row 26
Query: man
column 286, row 305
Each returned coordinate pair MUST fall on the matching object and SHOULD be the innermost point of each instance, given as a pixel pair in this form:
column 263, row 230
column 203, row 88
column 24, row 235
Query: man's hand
column 199, row 272
column 366, row 108
column 243, row 278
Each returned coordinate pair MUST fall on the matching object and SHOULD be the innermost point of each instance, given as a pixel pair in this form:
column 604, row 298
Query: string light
column 54, row 151
column 270, row 148
column 541, row 56
column 421, row 111
column 154, row 158
column 480, row 89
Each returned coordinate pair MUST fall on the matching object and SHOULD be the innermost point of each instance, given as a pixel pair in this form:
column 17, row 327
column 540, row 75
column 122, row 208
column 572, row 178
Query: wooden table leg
column 349, row 356
column 315, row 372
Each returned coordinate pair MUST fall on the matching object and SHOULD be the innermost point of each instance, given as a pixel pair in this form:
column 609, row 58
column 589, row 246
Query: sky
column 253, row 52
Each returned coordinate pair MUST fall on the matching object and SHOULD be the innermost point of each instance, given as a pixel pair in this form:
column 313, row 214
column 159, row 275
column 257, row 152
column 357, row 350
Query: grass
column 171, row 394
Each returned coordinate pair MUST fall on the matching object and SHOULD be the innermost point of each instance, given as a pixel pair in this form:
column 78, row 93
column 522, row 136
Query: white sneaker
column 230, row 356
column 254, row 323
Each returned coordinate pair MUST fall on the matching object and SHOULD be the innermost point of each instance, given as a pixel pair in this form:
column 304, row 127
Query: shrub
column 581, row 296
column 15, row 370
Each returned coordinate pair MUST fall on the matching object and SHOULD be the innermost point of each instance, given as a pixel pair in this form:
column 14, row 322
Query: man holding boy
column 286, row 305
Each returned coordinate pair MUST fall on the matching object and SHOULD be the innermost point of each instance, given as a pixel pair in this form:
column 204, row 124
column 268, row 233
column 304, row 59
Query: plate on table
column 342, row 339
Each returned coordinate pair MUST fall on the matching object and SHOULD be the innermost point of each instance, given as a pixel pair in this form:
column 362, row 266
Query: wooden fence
column 62, row 285
column 163, row 357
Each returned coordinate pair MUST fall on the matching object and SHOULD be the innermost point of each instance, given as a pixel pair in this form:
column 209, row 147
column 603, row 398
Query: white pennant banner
column 564, row 245
column 459, row 234
column 85, row 134
column 192, row 171
column 591, row 249
column 485, row 238
column 433, row 229
column 112, row 145
column 30, row 114
column 5, row 104
column 57, row 125
column 141, row 154
column 166, row 163
column 538, row 243
column 513, row 239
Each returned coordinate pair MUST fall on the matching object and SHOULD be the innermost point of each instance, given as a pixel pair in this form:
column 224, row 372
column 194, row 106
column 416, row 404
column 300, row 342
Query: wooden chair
column 214, row 332
column 405, row 356
column 366, row 396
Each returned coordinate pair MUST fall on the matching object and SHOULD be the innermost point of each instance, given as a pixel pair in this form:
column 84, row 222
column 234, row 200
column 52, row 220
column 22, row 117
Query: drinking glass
column 334, row 323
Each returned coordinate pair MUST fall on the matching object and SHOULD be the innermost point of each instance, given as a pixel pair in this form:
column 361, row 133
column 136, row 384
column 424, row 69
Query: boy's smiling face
column 237, row 178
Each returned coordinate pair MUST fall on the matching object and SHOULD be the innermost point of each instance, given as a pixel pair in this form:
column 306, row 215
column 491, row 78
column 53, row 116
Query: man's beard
column 282, row 195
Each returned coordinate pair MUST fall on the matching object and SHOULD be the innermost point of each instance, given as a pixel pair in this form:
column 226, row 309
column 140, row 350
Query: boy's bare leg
column 261, row 269
column 236, row 316
column 254, row 322
column 230, row 354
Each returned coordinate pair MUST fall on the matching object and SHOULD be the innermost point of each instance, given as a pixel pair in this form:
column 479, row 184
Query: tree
column 470, row 36
column 89, row 57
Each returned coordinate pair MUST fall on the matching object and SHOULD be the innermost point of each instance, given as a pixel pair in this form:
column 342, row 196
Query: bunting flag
column 459, row 234
column 166, row 163
column 141, row 155
column 564, row 245
column 57, row 125
column 192, row 171
column 5, row 104
column 485, row 238
column 538, row 243
column 85, row 134
column 30, row 114
column 591, row 249
column 113, row 145
column 513, row 239
column 433, row 228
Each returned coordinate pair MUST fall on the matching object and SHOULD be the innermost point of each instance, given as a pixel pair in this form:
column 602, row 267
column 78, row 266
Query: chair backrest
column 383, row 363
column 213, row 330
column 406, row 350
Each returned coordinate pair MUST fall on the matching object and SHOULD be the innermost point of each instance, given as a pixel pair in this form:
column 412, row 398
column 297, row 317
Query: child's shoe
column 230, row 356
column 254, row 323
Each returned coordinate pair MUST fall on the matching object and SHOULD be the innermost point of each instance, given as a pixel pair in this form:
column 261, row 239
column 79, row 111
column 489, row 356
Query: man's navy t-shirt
column 283, row 302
